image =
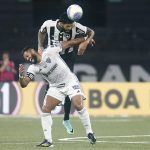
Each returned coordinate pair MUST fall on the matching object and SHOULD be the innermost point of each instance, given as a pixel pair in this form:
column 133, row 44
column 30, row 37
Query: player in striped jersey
column 60, row 30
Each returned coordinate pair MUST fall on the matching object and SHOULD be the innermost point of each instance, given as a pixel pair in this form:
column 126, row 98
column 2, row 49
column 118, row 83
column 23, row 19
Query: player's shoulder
column 81, row 29
column 52, row 49
column 49, row 22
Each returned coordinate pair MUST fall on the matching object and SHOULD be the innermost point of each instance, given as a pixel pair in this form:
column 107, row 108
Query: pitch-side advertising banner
column 103, row 99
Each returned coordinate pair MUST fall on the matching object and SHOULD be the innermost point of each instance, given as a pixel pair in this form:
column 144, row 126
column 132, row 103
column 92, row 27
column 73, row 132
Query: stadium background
column 121, row 53
column 114, row 74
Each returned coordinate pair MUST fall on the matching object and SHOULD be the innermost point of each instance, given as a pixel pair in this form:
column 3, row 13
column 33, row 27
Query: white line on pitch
column 114, row 120
column 75, row 142
column 111, row 136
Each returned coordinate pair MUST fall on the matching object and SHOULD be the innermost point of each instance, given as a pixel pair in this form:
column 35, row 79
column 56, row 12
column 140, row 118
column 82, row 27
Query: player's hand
column 82, row 47
column 21, row 70
column 92, row 42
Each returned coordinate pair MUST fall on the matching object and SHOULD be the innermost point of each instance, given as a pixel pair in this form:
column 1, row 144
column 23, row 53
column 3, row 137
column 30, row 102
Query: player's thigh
column 75, row 94
column 77, row 102
column 52, row 98
column 74, row 90
column 49, row 103
column 56, row 93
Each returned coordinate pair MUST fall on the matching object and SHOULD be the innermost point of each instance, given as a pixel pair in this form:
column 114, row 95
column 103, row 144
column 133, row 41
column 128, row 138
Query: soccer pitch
column 113, row 133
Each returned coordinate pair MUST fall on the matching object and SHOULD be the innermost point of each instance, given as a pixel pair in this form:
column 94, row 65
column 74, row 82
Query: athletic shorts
column 61, row 91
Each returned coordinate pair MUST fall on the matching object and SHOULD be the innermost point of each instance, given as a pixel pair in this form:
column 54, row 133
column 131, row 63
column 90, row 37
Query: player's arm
column 41, row 39
column 71, row 43
column 23, row 80
column 90, row 33
column 82, row 47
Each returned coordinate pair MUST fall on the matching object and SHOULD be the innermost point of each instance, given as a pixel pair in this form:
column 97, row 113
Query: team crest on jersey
column 48, row 60
column 67, row 35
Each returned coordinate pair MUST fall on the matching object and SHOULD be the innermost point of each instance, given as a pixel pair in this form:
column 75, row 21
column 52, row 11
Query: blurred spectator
column 7, row 68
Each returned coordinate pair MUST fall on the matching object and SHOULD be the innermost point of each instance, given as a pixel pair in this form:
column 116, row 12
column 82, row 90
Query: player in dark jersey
column 60, row 30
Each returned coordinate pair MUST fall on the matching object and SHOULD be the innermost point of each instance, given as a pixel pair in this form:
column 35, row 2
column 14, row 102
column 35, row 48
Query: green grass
column 112, row 134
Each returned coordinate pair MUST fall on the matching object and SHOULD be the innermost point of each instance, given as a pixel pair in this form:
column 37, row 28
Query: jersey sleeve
column 54, row 48
column 31, row 72
column 80, row 29
column 45, row 25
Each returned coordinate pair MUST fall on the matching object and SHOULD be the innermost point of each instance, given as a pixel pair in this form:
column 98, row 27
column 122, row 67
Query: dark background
column 121, row 27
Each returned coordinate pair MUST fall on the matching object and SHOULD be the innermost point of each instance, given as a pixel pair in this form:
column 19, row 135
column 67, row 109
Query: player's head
column 65, row 23
column 30, row 55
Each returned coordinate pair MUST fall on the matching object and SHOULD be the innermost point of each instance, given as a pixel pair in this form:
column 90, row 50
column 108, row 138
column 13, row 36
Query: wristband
column 21, row 77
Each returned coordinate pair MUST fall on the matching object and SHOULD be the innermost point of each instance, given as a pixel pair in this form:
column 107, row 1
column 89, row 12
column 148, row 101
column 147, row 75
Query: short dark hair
column 64, row 18
column 25, row 49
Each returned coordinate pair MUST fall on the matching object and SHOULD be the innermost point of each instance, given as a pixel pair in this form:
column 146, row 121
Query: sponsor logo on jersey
column 67, row 35
column 51, row 70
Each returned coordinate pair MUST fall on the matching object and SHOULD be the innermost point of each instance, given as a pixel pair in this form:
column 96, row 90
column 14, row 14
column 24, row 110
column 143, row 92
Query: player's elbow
column 23, row 85
column 92, row 32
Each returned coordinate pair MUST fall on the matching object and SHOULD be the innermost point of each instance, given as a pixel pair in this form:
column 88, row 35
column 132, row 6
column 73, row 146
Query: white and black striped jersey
column 55, row 36
column 52, row 68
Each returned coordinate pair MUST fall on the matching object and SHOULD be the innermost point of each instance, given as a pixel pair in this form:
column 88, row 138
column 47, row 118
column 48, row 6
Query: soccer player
column 62, row 82
column 65, row 29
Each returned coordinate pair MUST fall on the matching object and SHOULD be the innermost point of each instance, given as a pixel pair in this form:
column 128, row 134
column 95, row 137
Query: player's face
column 30, row 57
column 68, row 27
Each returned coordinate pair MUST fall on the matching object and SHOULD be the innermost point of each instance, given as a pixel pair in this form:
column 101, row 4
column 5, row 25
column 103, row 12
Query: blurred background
column 121, row 53
column 114, row 75
column 121, row 27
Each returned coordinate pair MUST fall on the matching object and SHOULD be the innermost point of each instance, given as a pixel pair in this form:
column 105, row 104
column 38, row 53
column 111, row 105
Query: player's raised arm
column 41, row 39
column 90, row 34
column 71, row 43
column 82, row 47
column 23, row 80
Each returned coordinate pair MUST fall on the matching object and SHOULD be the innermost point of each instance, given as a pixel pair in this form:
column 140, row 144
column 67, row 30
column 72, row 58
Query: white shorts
column 60, row 92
